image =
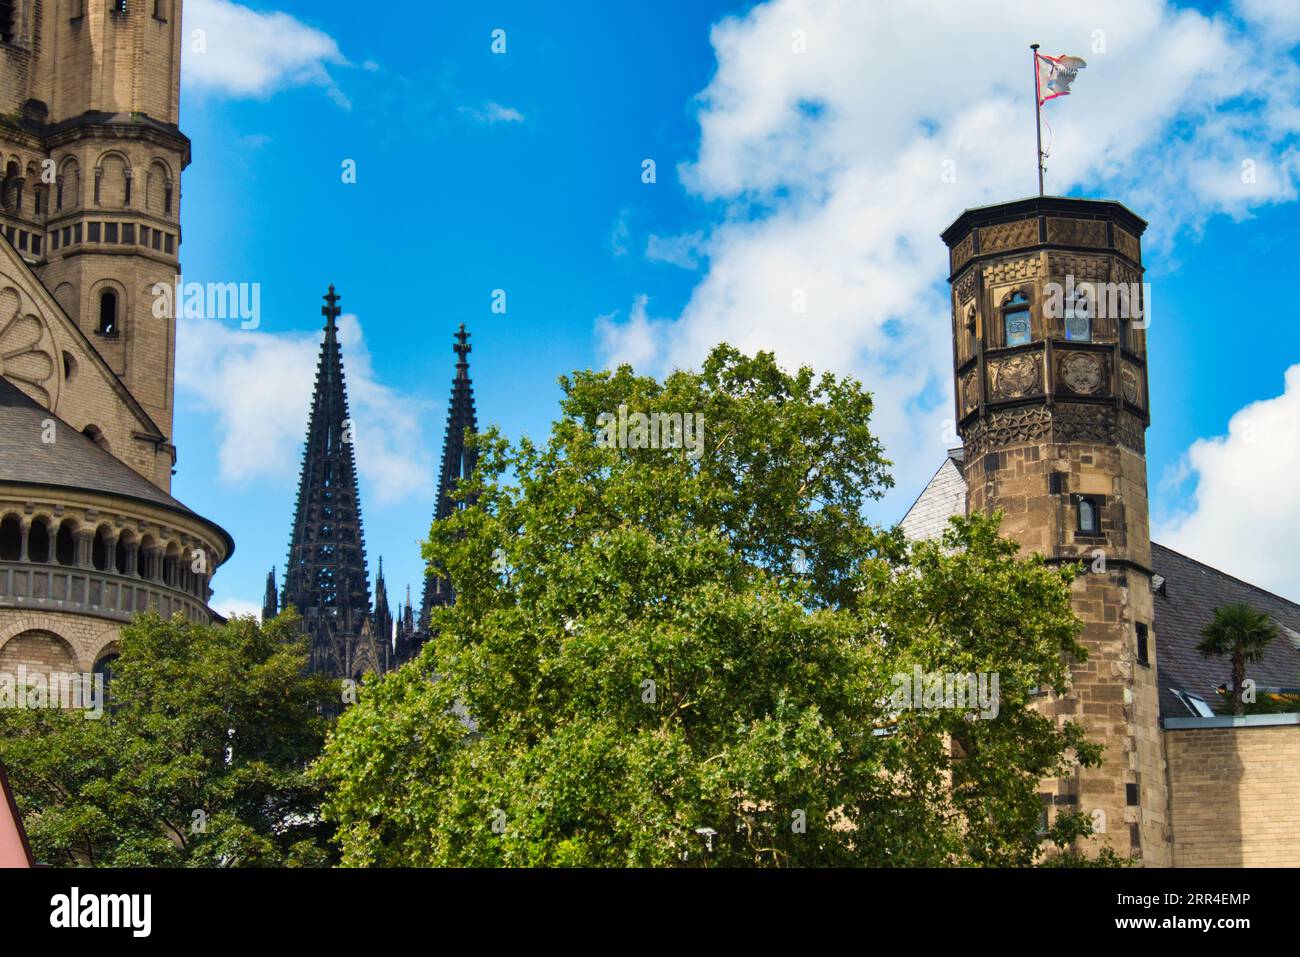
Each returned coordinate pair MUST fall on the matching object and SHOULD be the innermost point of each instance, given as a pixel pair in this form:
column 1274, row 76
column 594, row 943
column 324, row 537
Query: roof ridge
column 1219, row 571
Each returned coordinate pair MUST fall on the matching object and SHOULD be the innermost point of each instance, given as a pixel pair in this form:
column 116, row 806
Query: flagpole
column 1038, row 116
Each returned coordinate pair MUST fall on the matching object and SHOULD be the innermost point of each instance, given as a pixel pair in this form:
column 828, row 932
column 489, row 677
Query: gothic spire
column 270, row 603
column 326, row 579
column 458, row 462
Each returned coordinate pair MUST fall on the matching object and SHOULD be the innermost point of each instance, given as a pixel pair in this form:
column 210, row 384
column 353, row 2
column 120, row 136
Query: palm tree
column 1241, row 632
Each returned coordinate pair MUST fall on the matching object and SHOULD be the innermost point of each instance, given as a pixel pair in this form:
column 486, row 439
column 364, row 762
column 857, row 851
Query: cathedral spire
column 326, row 578
column 458, row 462
column 270, row 603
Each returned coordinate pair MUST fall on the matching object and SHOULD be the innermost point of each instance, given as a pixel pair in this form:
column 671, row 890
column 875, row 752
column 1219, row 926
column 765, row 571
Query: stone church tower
column 90, row 165
column 1049, row 358
column 92, row 183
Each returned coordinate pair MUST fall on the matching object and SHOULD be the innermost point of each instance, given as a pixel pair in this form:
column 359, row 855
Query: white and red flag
column 1055, row 74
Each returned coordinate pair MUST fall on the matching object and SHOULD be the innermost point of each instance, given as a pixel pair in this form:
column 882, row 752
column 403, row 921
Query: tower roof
column 326, row 578
column 458, row 461
column 73, row 460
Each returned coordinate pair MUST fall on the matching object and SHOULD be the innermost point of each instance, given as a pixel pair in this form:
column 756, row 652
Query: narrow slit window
column 107, row 313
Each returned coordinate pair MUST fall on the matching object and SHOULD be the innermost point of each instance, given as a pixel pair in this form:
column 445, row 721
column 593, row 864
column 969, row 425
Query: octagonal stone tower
column 1049, row 362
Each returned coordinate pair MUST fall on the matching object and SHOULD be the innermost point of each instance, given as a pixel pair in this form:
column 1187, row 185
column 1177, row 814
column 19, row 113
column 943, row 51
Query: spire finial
column 331, row 311
column 462, row 348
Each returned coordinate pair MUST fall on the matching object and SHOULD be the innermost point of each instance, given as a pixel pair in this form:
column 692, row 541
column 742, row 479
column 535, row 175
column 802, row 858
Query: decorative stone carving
column 1130, row 385
column 28, row 356
column 1082, row 372
column 1085, row 423
column 1007, row 427
column 969, row 392
column 1015, row 376
column 1127, row 244
column 1014, row 270
column 1132, row 432
column 965, row 288
column 962, row 252
column 1017, row 235
column 1076, row 232
column 1081, row 267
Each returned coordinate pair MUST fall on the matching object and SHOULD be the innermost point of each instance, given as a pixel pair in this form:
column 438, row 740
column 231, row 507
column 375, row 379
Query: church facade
column 91, row 157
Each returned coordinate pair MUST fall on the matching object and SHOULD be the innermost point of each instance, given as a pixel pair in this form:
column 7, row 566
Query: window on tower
column 119, row 6
column 1078, row 317
column 1089, row 521
column 1015, row 320
column 7, row 21
column 107, row 313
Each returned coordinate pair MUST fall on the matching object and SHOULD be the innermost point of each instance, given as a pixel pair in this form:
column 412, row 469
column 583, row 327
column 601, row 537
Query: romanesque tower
column 1049, row 358
column 92, row 159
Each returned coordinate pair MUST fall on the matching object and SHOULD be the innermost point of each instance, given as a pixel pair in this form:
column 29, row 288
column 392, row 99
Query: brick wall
column 1235, row 795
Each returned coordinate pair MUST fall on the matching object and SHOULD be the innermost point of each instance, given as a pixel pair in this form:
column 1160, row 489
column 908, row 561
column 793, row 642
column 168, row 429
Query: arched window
column 107, row 313
column 38, row 542
column 1015, row 320
column 11, row 539
column 1078, row 317
column 101, row 551
column 1089, row 523
column 65, row 544
column 104, row 667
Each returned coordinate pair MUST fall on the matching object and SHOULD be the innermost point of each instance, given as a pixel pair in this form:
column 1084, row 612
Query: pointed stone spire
column 326, row 578
column 457, row 462
column 270, row 603
column 383, row 618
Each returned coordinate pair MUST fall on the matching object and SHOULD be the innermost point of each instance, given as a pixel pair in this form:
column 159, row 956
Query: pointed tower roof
column 458, row 462
column 270, row 601
column 326, row 578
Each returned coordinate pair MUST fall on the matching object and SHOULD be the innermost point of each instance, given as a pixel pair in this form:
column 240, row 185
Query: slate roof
column 1184, row 604
column 943, row 497
column 72, row 461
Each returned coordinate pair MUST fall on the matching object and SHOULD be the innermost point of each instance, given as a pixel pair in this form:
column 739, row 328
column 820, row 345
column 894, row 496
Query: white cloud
column 828, row 166
column 1245, row 513
column 491, row 113
column 230, row 607
column 684, row 251
column 258, row 386
column 248, row 53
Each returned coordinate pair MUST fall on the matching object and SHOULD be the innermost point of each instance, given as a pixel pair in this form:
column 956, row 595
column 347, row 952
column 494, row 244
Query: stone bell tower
column 91, row 156
column 1049, row 358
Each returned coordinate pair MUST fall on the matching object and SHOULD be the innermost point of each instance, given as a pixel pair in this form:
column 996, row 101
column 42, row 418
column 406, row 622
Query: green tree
column 1241, row 633
column 658, row 659
column 200, row 760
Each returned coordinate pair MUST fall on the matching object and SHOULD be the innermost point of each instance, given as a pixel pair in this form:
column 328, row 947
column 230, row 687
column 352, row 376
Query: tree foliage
column 654, row 660
column 200, row 760
column 1240, row 633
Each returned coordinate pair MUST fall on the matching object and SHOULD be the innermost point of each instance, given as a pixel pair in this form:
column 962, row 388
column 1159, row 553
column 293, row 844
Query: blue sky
column 776, row 169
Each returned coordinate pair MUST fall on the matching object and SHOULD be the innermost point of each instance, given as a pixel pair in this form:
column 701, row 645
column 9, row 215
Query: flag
column 1055, row 74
